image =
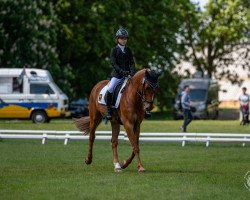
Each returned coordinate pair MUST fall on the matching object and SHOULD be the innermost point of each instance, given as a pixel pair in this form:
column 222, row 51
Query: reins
column 142, row 94
column 144, row 100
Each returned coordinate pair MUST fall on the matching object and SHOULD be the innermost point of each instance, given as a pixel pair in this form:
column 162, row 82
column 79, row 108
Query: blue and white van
column 31, row 93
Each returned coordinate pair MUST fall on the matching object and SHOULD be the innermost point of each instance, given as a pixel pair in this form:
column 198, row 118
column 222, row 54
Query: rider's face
column 122, row 40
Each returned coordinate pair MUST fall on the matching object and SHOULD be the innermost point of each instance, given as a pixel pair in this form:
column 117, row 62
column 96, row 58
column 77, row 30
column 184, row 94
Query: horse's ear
column 158, row 73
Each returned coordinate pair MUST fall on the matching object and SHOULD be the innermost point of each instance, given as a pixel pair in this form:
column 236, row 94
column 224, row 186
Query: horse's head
column 149, row 88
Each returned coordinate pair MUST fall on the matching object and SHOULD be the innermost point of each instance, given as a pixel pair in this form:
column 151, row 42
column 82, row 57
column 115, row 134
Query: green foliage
column 28, row 34
column 214, row 36
column 87, row 32
column 73, row 39
column 28, row 38
column 76, row 41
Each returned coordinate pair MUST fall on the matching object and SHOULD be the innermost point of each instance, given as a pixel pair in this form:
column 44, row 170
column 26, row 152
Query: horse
column 137, row 98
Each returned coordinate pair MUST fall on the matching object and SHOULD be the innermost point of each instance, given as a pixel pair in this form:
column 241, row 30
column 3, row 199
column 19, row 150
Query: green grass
column 213, row 126
column 29, row 170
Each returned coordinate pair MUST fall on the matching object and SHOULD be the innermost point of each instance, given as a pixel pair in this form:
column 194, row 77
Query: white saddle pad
column 101, row 96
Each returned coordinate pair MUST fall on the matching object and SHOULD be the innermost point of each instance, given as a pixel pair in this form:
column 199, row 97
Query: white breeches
column 112, row 84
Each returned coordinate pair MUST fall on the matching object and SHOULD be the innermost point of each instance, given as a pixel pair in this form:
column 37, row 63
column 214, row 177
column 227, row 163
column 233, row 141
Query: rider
column 123, row 65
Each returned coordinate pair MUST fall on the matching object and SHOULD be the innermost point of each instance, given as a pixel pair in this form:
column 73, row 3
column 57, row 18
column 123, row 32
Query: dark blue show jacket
column 121, row 61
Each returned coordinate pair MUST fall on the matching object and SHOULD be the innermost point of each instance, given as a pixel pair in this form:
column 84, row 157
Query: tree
column 28, row 38
column 73, row 38
column 87, row 30
column 213, row 36
column 27, row 34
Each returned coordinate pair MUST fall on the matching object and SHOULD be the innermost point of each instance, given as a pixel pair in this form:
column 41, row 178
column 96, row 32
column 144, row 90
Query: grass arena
column 30, row 170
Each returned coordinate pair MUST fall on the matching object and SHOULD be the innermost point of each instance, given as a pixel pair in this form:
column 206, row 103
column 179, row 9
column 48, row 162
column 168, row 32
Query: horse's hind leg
column 94, row 122
column 114, row 141
column 126, row 163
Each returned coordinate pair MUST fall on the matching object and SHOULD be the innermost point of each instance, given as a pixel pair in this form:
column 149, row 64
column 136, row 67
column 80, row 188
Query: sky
column 201, row 2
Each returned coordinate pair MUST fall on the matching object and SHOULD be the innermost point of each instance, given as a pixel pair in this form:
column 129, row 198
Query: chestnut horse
column 137, row 98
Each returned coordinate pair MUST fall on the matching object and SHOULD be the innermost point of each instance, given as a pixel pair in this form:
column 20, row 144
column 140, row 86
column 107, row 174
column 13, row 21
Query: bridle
column 143, row 93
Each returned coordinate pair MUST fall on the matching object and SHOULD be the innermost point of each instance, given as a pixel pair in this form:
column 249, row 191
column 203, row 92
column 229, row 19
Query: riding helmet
column 122, row 32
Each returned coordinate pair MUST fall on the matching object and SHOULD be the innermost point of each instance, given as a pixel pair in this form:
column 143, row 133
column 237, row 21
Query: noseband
column 142, row 95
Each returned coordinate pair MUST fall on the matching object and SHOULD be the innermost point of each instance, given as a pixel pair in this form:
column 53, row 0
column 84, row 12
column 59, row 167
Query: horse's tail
column 83, row 124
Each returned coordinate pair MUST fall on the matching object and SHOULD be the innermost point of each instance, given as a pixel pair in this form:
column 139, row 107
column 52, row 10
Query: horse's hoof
column 141, row 170
column 117, row 167
column 118, row 170
column 124, row 164
column 88, row 162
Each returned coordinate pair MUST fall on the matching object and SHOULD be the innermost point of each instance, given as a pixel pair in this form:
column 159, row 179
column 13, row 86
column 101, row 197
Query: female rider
column 123, row 65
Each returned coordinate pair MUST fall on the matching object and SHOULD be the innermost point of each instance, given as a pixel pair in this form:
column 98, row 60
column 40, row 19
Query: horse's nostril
column 148, row 107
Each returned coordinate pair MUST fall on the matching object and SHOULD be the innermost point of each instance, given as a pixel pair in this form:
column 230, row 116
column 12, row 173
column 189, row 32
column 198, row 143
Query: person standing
column 186, row 107
column 123, row 64
column 244, row 105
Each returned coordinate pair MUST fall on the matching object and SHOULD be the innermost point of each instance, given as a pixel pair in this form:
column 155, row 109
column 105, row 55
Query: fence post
column 44, row 140
column 207, row 143
column 244, row 144
column 66, row 139
column 184, row 140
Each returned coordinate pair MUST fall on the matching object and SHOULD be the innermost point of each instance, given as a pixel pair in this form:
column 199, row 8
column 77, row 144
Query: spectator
column 186, row 107
column 244, row 105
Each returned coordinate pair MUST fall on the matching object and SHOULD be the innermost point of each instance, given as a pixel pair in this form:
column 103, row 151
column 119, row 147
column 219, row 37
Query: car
column 79, row 107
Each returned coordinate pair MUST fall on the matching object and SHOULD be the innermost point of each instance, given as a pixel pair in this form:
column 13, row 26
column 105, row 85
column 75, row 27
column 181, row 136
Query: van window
column 17, row 85
column 197, row 94
column 41, row 89
column 5, row 85
column 10, row 85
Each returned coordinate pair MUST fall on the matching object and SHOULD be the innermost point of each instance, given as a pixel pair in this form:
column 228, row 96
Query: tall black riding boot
column 108, row 103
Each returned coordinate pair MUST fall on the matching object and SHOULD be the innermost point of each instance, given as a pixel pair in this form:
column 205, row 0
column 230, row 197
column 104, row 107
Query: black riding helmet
column 122, row 32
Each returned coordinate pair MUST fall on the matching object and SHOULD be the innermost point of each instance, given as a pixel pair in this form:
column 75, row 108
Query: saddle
column 116, row 97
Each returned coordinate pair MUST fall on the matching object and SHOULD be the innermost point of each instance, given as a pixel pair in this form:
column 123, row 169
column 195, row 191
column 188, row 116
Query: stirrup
column 109, row 117
column 108, row 114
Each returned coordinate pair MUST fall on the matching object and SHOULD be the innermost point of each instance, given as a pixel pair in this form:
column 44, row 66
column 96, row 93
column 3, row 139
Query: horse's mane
column 138, row 76
column 139, row 73
column 151, row 76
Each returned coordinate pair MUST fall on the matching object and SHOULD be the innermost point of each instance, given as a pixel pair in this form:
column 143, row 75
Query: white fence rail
column 44, row 135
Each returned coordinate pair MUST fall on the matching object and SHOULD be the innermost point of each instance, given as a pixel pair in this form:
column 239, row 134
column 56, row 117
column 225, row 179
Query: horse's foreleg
column 133, row 133
column 114, row 141
column 136, row 150
column 93, row 125
column 139, row 165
